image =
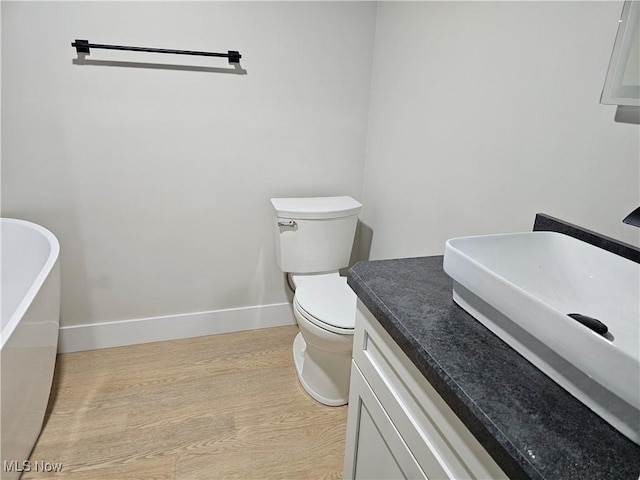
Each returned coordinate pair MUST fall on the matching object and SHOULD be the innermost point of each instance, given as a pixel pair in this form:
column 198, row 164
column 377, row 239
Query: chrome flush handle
column 285, row 222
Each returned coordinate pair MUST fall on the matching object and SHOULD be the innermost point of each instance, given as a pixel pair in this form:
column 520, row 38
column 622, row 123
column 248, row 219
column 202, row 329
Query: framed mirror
column 622, row 85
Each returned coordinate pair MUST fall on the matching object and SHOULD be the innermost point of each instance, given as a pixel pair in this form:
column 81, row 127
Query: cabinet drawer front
column 437, row 438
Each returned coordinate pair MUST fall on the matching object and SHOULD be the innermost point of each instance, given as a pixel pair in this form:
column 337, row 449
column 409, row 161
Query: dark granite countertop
column 530, row 425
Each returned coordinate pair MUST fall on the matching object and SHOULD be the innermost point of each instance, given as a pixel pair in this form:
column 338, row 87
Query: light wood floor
column 224, row 406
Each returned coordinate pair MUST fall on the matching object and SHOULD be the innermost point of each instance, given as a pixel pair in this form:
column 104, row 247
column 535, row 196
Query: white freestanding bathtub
column 30, row 312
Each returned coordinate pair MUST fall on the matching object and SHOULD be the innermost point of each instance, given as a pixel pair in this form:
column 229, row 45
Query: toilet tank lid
column 316, row 207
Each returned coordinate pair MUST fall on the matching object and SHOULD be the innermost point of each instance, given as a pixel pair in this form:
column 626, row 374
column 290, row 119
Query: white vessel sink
column 522, row 287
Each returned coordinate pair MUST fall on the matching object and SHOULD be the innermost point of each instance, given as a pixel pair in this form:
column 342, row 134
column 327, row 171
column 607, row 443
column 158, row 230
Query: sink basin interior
column 523, row 286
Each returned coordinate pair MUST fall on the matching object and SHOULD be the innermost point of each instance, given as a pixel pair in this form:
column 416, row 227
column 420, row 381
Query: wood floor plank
column 223, row 406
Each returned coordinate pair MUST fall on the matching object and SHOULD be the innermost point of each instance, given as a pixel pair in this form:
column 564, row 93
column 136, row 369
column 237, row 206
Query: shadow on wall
column 236, row 69
column 361, row 245
column 628, row 114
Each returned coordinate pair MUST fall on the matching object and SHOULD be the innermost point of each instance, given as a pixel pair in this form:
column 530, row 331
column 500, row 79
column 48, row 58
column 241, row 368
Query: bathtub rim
column 39, row 280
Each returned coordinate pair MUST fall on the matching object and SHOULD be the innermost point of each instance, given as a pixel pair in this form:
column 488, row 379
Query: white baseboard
column 171, row 327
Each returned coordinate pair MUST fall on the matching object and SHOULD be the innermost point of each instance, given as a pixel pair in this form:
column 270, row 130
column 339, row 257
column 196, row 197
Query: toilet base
column 312, row 371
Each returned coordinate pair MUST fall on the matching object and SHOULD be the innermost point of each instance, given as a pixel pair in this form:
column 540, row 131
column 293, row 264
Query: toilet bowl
column 324, row 307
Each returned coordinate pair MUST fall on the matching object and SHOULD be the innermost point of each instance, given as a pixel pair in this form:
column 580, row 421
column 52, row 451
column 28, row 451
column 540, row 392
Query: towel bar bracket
column 82, row 46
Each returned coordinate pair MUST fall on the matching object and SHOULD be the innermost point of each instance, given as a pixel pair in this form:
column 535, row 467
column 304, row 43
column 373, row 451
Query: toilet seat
column 327, row 302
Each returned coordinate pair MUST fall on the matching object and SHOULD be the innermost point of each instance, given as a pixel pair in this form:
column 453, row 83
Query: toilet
column 314, row 237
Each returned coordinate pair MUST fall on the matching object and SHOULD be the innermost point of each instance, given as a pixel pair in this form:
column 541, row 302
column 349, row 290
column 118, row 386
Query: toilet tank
column 315, row 234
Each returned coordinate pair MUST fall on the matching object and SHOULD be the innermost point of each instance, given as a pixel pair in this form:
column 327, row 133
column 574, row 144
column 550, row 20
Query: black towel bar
column 83, row 46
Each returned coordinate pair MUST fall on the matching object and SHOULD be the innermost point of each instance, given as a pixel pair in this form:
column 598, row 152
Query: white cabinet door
column 378, row 451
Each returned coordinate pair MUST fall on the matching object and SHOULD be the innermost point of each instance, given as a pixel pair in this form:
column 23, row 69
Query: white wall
column 157, row 181
column 483, row 114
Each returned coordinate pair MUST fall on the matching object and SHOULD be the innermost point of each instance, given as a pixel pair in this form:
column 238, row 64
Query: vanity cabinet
column 398, row 426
